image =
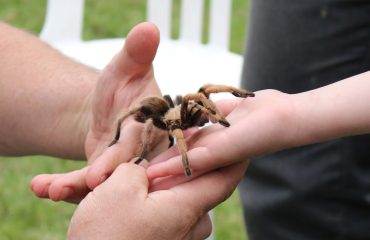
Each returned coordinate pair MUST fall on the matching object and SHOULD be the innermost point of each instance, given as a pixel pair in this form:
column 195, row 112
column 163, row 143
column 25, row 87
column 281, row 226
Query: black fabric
column 320, row 191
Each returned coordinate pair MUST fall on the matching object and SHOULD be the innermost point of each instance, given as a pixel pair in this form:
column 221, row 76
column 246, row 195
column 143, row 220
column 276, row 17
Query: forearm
column 337, row 110
column 44, row 98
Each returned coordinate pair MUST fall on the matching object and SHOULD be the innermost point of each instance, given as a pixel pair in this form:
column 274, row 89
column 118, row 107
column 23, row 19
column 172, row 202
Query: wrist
column 284, row 118
column 310, row 118
column 70, row 121
column 79, row 123
column 81, row 128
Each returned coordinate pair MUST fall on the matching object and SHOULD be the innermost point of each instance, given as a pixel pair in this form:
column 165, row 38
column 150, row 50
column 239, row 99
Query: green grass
column 22, row 215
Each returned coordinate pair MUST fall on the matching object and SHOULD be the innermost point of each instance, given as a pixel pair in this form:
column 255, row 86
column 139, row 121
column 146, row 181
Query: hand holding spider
column 127, row 78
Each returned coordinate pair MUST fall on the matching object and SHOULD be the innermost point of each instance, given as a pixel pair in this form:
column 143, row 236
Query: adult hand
column 123, row 208
column 127, row 79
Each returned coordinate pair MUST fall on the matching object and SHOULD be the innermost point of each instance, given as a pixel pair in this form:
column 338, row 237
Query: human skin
column 274, row 121
column 52, row 105
column 129, row 211
column 44, row 98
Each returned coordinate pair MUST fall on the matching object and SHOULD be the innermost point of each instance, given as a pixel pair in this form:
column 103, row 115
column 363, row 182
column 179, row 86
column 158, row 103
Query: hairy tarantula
column 194, row 109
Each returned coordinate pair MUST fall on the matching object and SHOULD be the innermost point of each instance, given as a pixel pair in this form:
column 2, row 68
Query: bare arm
column 337, row 110
column 274, row 121
column 44, row 97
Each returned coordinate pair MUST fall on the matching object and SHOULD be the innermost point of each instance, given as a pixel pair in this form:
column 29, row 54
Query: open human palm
column 128, row 78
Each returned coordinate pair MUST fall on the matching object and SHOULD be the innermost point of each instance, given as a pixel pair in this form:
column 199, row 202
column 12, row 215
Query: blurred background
column 22, row 215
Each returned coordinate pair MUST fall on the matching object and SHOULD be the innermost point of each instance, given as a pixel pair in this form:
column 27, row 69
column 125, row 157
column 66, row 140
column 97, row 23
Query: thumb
column 133, row 62
column 226, row 106
column 127, row 180
column 139, row 50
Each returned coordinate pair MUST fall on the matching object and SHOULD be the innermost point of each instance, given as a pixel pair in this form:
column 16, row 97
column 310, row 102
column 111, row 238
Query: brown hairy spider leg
column 182, row 147
column 207, row 89
column 119, row 123
column 146, row 140
column 215, row 118
column 171, row 139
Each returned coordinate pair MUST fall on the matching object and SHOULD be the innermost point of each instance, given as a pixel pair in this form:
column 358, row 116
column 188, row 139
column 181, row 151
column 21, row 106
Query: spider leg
column 178, row 100
column 207, row 89
column 205, row 105
column 119, row 123
column 118, row 133
column 182, row 147
column 146, row 140
column 192, row 98
column 169, row 100
column 214, row 118
column 172, row 141
column 198, row 97
column 184, row 111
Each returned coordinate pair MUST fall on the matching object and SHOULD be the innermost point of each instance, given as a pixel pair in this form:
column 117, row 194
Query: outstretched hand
column 127, row 79
column 274, row 121
column 258, row 126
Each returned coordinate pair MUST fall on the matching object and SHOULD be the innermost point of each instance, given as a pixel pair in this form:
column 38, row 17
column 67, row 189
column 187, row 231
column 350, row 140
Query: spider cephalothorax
column 192, row 110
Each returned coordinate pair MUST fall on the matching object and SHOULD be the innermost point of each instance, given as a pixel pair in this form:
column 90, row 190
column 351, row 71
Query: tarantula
column 194, row 109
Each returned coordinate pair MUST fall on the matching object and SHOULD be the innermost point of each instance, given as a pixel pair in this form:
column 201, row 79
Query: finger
column 139, row 50
column 131, row 63
column 127, row 179
column 207, row 152
column 172, row 151
column 216, row 139
column 128, row 147
column 200, row 159
column 203, row 228
column 169, row 153
column 218, row 186
column 228, row 105
column 171, row 181
column 40, row 184
column 143, row 163
column 190, row 131
column 104, row 165
column 70, row 187
column 121, row 152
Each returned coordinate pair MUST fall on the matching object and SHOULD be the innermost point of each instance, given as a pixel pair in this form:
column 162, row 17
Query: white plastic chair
column 181, row 65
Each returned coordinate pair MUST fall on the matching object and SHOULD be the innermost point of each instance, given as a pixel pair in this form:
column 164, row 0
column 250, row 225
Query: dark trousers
column 320, row 191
